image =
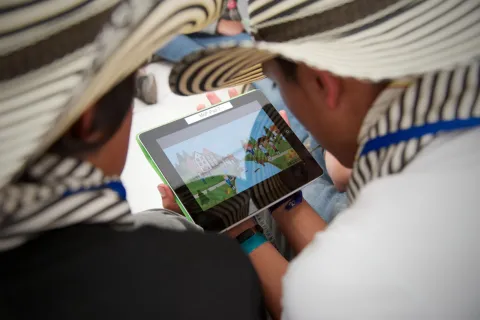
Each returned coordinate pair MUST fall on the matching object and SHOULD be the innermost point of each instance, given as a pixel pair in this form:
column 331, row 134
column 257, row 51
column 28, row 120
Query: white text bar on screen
column 209, row 112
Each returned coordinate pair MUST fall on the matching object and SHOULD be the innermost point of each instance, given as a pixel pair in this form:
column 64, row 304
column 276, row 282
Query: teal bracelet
column 252, row 243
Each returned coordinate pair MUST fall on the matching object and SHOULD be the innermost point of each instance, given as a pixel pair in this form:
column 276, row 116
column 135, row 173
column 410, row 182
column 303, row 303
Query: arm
column 270, row 266
column 299, row 225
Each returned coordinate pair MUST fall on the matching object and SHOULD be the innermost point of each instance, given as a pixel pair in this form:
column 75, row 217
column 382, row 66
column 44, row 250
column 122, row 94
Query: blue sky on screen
column 224, row 139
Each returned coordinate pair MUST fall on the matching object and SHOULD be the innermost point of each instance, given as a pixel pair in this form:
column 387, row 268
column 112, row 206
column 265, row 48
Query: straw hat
column 366, row 39
column 57, row 57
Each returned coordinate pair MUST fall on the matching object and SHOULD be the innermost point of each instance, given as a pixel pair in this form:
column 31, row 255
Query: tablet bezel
column 148, row 139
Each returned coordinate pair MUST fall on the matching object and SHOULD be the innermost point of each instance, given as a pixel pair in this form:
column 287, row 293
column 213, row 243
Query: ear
column 331, row 86
column 84, row 129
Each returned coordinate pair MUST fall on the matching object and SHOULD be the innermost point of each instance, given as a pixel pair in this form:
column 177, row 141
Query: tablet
column 227, row 163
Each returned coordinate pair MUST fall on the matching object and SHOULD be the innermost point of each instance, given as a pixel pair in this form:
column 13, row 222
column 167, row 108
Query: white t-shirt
column 409, row 247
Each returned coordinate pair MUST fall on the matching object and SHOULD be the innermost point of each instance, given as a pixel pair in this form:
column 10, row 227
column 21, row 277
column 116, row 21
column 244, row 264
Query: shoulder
column 208, row 272
column 211, row 253
column 387, row 252
column 142, row 274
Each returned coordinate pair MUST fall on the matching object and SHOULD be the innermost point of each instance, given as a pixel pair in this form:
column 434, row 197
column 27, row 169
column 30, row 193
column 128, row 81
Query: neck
column 108, row 162
column 357, row 114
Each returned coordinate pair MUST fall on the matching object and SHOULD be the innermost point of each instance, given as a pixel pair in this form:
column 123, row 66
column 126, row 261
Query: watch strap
column 289, row 203
column 242, row 237
column 252, row 243
column 251, row 239
column 245, row 235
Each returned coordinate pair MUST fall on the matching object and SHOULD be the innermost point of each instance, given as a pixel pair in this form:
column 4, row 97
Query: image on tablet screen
column 231, row 158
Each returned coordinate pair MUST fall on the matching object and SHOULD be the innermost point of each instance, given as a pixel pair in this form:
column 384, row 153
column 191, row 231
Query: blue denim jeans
column 183, row 45
column 320, row 194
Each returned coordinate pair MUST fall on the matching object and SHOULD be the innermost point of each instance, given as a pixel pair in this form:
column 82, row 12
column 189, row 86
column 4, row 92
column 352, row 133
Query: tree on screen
column 203, row 198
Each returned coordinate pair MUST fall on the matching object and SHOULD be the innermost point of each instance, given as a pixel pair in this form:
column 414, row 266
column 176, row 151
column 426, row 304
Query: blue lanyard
column 418, row 132
column 116, row 186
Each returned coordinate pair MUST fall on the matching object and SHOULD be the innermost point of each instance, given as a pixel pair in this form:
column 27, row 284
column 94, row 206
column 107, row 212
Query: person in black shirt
column 69, row 246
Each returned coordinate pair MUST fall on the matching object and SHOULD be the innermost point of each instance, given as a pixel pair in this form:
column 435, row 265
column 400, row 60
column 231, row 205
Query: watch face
column 294, row 201
column 245, row 235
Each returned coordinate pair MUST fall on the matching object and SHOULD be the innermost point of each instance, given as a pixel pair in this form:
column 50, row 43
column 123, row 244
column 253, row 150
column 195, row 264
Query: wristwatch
column 289, row 203
column 242, row 237
column 251, row 239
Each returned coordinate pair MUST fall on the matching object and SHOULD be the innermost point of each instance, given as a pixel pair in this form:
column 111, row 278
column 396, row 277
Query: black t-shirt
column 94, row 272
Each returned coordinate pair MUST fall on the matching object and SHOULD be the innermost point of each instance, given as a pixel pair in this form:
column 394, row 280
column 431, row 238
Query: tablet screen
column 220, row 163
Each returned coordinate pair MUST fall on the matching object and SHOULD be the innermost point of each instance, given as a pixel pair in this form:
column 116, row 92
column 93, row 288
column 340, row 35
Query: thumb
column 168, row 199
column 284, row 115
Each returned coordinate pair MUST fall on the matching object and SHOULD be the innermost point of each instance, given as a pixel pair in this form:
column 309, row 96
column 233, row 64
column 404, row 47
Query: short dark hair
column 289, row 68
column 110, row 111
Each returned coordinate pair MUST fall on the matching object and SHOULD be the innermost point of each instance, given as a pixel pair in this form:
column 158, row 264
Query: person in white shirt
column 391, row 89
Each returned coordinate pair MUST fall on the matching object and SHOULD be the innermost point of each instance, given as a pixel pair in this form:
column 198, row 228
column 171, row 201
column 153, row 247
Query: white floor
column 139, row 177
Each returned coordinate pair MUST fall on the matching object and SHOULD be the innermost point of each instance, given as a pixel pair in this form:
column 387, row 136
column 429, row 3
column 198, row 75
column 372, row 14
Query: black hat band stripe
column 222, row 70
column 227, row 74
column 325, row 21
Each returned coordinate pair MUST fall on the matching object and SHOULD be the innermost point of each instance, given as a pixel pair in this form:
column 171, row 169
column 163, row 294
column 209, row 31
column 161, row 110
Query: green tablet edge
column 157, row 170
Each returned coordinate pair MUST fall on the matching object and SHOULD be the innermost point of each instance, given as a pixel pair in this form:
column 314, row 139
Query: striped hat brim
column 59, row 57
column 389, row 40
column 215, row 68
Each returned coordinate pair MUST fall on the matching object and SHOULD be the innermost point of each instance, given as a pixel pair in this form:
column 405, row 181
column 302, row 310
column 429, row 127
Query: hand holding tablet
column 228, row 162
